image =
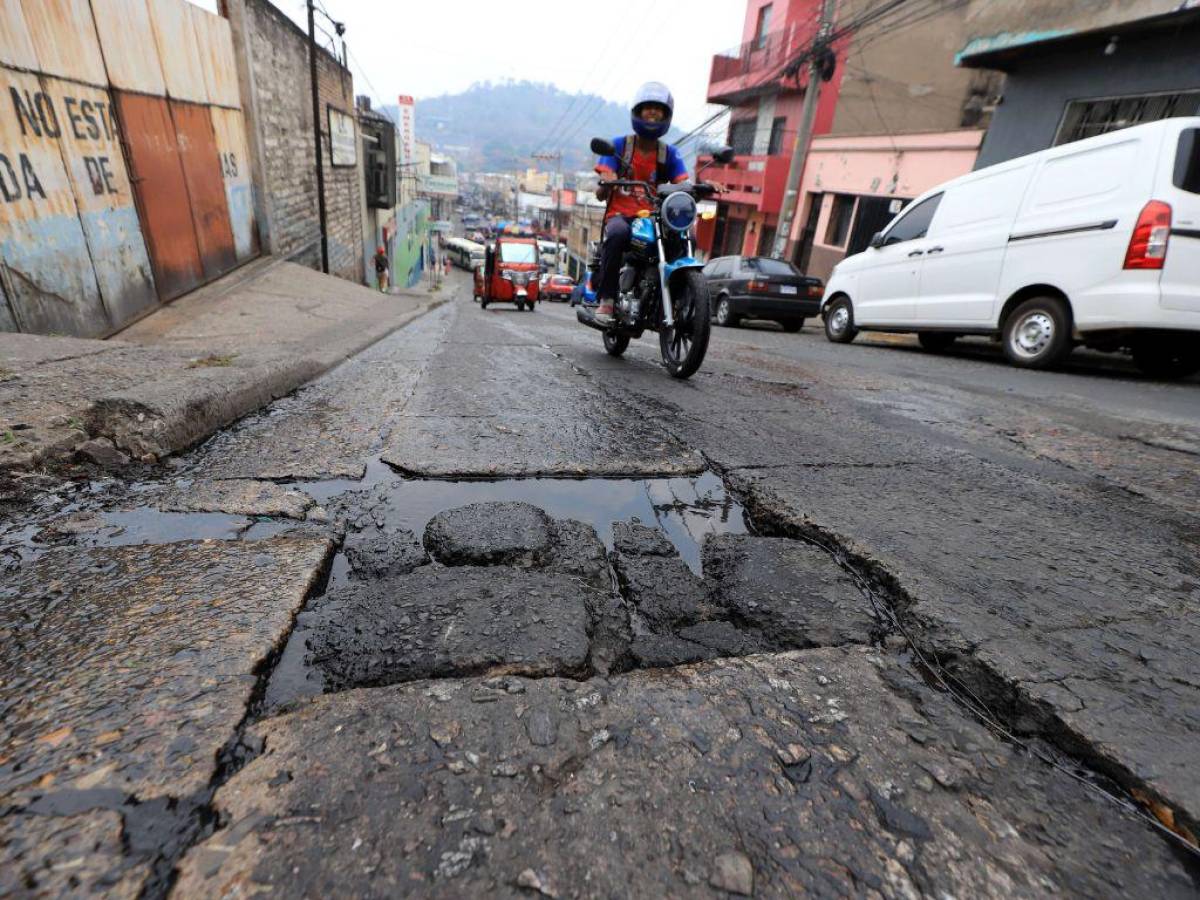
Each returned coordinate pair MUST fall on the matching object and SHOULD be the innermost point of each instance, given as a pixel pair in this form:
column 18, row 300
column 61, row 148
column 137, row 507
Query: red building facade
column 765, row 116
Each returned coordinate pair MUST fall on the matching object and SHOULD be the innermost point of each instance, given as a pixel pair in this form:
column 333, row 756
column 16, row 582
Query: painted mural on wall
column 85, row 247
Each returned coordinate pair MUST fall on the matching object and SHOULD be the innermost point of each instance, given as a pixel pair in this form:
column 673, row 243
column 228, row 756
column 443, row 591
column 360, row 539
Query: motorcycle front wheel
column 684, row 344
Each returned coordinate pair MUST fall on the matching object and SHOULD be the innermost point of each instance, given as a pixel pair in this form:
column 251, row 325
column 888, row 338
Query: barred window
column 1088, row 118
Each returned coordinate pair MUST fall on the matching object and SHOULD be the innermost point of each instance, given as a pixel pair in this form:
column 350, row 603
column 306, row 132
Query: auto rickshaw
column 509, row 273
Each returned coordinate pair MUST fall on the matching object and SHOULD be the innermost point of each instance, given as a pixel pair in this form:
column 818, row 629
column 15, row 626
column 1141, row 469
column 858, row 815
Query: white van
column 1094, row 242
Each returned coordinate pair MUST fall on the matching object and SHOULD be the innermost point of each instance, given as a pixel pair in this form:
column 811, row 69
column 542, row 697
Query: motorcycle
column 661, row 286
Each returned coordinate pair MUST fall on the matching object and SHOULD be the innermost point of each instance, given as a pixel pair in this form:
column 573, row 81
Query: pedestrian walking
column 381, row 268
column 446, row 265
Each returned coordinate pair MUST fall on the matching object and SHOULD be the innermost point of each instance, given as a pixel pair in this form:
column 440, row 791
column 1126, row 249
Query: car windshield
column 517, row 253
column 765, row 266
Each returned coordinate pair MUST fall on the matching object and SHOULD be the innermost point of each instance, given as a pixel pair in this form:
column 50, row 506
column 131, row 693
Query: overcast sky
column 431, row 47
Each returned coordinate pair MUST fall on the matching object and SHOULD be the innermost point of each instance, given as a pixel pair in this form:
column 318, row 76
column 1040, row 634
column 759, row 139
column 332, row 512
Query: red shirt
column 631, row 201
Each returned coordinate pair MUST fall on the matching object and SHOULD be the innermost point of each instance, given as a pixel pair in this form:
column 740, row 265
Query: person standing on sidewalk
column 381, row 268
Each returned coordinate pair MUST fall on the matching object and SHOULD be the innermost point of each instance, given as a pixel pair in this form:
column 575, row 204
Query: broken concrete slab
column 464, row 620
column 69, row 855
column 131, row 667
column 664, row 591
column 385, row 555
column 483, row 534
column 794, row 593
column 821, row 773
column 636, row 539
column 238, row 497
column 1044, row 597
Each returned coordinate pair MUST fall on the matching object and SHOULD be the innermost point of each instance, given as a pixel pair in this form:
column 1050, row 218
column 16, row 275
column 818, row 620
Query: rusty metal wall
column 175, row 37
column 161, row 191
column 128, row 44
column 47, row 269
column 91, row 150
column 123, row 172
column 234, row 152
column 205, row 186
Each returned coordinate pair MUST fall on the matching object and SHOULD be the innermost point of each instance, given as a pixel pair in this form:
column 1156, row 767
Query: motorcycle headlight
column 679, row 211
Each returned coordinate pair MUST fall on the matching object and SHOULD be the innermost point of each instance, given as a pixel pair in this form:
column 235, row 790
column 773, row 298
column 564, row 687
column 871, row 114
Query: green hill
column 499, row 126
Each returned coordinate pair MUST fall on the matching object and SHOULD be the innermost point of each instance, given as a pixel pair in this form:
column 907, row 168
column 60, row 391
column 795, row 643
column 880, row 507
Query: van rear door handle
column 917, row 253
column 936, row 249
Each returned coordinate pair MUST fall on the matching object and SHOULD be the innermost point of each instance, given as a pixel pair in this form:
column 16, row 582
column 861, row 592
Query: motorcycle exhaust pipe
column 586, row 317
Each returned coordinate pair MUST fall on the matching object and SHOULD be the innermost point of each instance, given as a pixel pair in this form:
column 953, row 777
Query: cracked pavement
column 484, row 611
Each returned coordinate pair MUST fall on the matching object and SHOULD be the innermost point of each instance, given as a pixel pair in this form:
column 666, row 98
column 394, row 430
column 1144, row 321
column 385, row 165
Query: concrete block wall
column 273, row 59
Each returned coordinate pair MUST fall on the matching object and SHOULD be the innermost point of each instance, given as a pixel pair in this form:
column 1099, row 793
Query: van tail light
column 760, row 287
column 1148, row 246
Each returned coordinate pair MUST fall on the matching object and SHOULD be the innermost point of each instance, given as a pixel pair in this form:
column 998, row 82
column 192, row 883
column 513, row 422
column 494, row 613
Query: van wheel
column 839, row 321
column 936, row 341
column 1037, row 334
column 1167, row 357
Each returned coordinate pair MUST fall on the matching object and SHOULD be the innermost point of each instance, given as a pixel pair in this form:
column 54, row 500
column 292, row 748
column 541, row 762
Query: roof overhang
column 1006, row 50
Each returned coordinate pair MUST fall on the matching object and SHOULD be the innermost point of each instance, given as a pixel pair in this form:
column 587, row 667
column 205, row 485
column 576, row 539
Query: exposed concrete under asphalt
column 127, row 671
column 1007, row 534
column 826, row 773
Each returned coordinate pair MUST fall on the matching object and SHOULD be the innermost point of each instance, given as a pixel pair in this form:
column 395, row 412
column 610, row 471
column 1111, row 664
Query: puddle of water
column 685, row 509
column 151, row 526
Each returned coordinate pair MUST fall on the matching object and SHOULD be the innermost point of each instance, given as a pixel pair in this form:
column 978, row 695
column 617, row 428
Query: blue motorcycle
column 661, row 286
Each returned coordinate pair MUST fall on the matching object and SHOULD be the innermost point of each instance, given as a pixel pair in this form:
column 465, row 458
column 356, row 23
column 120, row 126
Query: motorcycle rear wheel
column 684, row 344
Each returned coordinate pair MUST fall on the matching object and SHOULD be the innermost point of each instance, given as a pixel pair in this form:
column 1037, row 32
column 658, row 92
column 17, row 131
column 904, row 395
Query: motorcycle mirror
column 724, row 155
column 601, row 147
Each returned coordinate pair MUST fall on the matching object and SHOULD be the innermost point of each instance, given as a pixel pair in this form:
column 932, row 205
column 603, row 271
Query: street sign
column 343, row 144
column 441, row 225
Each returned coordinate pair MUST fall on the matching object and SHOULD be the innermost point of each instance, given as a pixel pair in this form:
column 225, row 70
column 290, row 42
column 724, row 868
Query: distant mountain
column 499, row 126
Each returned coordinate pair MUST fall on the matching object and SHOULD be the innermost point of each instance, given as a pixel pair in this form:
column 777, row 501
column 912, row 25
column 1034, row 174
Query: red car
column 558, row 287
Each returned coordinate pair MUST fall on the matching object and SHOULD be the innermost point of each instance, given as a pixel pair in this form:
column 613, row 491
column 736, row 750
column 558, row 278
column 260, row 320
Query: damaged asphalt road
column 485, row 611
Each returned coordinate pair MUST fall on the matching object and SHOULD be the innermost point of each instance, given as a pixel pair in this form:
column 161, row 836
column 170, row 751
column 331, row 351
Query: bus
column 465, row 254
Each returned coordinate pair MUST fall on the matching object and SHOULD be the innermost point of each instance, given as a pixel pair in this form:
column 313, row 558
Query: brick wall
column 274, row 70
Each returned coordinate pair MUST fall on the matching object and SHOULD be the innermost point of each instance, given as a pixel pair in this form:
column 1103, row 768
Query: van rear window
column 1187, row 161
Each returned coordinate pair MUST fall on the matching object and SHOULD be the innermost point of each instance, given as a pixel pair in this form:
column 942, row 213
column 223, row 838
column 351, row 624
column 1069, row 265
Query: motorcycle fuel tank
column 642, row 230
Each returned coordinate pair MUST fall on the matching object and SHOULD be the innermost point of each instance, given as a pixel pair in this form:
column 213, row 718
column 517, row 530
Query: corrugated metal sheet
column 127, row 41
column 214, row 40
column 16, row 47
column 206, row 188
column 47, row 270
column 64, row 39
column 96, row 165
column 161, row 192
column 234, row 154
column 175, row 37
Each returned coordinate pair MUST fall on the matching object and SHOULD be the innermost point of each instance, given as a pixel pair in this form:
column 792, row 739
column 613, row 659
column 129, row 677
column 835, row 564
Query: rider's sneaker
column 604, row 313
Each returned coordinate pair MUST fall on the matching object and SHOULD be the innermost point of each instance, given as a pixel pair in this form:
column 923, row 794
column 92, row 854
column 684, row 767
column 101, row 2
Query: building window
column 764, row 25
column 741, row 136
column 840, row 217
column 1088, row 118
column 777, row 131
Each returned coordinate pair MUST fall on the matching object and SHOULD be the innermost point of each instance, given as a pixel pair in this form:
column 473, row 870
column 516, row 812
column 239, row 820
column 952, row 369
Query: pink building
column 854, row 184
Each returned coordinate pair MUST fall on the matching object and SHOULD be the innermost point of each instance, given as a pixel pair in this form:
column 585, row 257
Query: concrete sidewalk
column 189, row 369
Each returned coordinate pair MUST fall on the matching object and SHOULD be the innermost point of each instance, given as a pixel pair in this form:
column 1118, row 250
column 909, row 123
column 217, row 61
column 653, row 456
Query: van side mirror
column 601, row 147
column 876, row 240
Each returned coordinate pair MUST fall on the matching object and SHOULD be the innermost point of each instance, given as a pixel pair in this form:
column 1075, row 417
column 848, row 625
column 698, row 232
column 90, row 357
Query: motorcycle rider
column 646, row 158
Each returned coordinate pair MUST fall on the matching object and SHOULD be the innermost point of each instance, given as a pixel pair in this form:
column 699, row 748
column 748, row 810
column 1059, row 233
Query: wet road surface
column 486, row 611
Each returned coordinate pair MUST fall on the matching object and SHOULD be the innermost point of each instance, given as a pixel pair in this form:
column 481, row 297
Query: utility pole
column 783, row 234
column 316, row 106
column 557, row 157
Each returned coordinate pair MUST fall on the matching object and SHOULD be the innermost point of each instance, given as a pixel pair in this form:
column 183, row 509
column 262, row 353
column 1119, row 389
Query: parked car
column 557, row 287
column 1095, row 242
column 758, row 287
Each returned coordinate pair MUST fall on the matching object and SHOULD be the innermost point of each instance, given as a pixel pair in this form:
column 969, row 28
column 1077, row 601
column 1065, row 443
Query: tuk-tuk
column 509, row 273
